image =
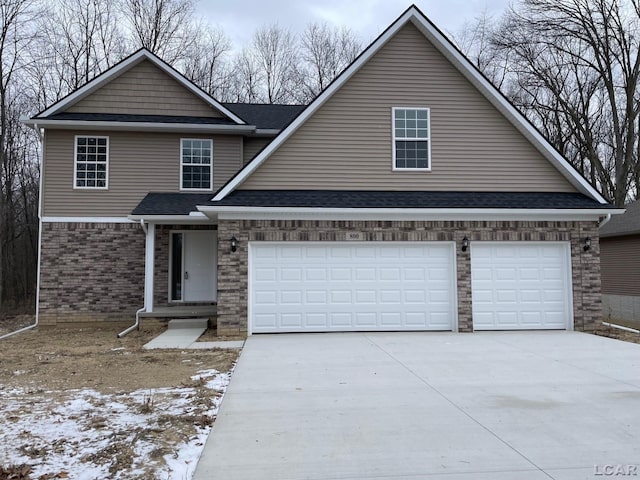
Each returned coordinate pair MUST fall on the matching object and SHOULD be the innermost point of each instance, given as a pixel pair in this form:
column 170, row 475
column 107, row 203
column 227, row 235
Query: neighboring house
column 410, row 195
column 620, row 260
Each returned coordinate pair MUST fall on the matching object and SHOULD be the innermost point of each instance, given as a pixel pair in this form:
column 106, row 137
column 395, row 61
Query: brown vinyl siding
column 253, row 145
column 144, row 89
column 139, row 163
column 347, row 143
column 620, row 265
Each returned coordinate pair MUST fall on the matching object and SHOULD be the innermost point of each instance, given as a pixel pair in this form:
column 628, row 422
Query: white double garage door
column 402, row 286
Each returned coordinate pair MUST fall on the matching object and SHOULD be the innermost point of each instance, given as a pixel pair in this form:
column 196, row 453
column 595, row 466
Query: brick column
column 232, row 279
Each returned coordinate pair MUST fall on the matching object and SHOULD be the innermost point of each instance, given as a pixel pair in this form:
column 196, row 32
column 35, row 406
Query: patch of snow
column 116, row 349
column 73, row 434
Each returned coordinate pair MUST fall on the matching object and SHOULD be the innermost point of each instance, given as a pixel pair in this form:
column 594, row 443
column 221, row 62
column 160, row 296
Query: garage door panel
column 352, row 286
column 317, row 320
column 525, row 286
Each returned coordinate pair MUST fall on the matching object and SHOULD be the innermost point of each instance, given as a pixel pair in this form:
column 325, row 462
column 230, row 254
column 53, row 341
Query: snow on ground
column 89, row 435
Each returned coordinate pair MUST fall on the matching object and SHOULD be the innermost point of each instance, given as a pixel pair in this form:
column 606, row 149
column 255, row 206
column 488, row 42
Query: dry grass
column 53, row 367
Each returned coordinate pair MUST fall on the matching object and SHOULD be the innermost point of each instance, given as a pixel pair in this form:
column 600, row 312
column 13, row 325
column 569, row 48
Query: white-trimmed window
column 91, row 169
column 196, row 164
column 411, row 139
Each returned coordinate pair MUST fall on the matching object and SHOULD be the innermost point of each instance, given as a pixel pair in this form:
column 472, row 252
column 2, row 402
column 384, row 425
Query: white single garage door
column 351, row 286
column 521, row 285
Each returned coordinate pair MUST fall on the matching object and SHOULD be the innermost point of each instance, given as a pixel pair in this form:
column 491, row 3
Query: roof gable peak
column 125, row 65
column 439, row 40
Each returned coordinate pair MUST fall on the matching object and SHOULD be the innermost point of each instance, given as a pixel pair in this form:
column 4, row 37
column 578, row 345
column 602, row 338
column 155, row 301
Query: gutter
column 138, row 126
column 136, row 325
column 41, row 165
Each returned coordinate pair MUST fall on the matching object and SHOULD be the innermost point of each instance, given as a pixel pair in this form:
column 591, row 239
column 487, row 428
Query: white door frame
column 451, row 244
column 170, row 269
column 568, row 275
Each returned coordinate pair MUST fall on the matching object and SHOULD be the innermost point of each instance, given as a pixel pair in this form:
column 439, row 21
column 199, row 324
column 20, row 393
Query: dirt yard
column 81, row 403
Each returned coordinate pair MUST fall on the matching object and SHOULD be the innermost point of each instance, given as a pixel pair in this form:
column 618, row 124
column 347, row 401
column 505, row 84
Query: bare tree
column 476, row 40
column 16, row 34
column 326, row 51
column 206, row 64
column 83, row 39
column 275, row 52
column 575, row 71
column 164, row 27
column 246, row 79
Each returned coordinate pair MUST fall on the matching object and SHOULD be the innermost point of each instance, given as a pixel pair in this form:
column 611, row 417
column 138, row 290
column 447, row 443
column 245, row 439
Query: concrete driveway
column 490, row 406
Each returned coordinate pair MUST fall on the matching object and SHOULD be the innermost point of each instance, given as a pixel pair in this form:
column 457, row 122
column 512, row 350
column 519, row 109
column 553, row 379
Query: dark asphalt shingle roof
column 262, row 116
column 121, row 117
column 413, row 199
column 626, row 224
column 171, row 203
column 183, row 203
column 266, row 116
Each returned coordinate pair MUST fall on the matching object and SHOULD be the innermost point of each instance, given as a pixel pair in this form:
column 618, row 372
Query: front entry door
column 197, row 267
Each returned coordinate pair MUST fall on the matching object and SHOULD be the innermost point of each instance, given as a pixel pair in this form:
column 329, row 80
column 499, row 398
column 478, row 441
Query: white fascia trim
column 464, row 66
column 125, row 65
column 479, row 214
column 86, row 220
column 139, row 126
column 193, row 217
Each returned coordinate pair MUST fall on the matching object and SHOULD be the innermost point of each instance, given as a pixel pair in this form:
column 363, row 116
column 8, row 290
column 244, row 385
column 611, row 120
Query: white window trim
column 75, row 163
column 393, row 139
column 210, row 189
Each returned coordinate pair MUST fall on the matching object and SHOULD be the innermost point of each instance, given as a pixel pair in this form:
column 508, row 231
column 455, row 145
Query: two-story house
column 409, row 195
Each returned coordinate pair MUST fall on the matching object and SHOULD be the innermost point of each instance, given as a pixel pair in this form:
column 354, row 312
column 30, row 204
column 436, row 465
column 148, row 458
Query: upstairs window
column 411, row 144
column 91, row 162
column 196, row 164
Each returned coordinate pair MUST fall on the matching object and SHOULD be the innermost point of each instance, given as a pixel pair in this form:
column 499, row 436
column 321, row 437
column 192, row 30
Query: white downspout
column 40, row 200
column 606, row 220
column 144, row 308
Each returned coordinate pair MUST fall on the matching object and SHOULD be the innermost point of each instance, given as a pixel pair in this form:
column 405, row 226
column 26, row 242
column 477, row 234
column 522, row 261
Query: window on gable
column 196, row 164
column 91, row 162
column 411, row 134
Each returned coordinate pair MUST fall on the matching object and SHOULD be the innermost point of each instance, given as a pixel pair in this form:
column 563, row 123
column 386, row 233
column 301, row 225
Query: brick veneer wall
column 91, row 272
column 233, row 267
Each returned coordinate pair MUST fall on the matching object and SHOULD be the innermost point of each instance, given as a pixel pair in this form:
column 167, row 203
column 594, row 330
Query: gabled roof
column 626, row 224
column 123, row 66
column 266, row 116
column 466, row 68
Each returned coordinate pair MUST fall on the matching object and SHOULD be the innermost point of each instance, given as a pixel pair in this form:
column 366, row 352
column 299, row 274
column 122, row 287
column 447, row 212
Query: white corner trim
column 125, row 65
column 86, row 220
column 463, row 65
column 149, row 254
column 461, row 214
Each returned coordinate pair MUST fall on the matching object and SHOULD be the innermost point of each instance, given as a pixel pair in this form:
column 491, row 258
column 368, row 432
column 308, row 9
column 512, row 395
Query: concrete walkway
column 183, row 333
column 490, row 406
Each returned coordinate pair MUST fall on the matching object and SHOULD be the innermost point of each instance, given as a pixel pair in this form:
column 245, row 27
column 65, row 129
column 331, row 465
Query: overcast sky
column 368, row 18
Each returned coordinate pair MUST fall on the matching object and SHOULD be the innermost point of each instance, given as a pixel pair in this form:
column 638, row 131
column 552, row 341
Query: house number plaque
column 355, row 236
